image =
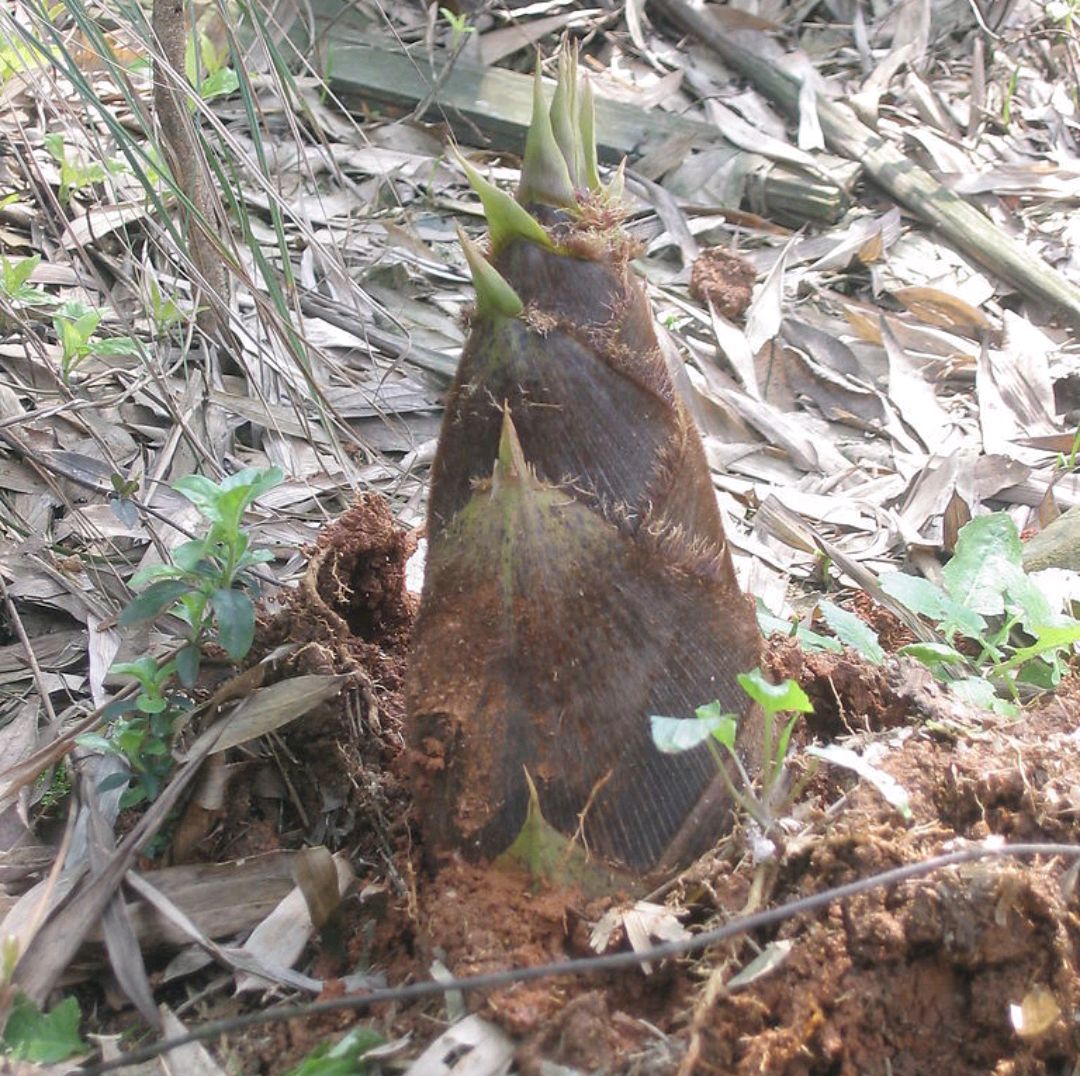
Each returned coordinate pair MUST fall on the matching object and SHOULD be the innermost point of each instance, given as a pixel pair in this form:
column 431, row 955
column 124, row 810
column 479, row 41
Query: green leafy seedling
column 459, row 26
column 711, row 725
column 140, row 731
column 988, row 599
column 343, row 1058
column 208, row 69
column 75, row 327
column 43, row 1038
column 75, row 175
column 164, row 311
column 209, row 587
column 210, row 580
column 15, row 281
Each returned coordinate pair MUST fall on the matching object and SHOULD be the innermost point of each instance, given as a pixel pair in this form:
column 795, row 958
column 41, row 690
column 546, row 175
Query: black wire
column 584, row 965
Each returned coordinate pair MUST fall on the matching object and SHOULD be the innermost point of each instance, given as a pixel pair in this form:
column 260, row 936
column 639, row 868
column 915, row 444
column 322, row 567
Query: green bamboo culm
column 578, row 577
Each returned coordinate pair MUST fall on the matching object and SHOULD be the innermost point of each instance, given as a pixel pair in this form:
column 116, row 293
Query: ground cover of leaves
column 855, row 379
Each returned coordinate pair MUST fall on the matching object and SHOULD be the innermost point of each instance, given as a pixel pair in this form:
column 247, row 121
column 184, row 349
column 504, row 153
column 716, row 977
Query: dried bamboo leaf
column 281, row 937
column 267, row 709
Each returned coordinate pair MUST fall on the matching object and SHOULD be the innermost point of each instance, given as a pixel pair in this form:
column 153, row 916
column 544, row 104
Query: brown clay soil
column 917, row 980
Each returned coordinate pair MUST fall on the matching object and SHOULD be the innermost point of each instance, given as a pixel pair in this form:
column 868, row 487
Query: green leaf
column 256, row 480
column 16, row 274
column 188, row 555
column 134, row 796
column 236, row 621
column 220, row 83
column 153, row 601
column 775, row 698
column 809, row 640
column 1041, row 673
column 144, row 669
column 852, row 631
column 54, row 143
column 113, row 781
column 115, row 345
column 976, row 576
column 977, row 692
column 151, row 704
column 152, row 573
column 94, row 741
column 933, row 655
column 1023, row 596
column 44, row 1038
column 673, row 735
column 230, row 506
column 344, row 1058
column 929, row 600
column 187, row 665
column 86, row 324
column 202, row 492
column 722, row 725
column 1047, row 640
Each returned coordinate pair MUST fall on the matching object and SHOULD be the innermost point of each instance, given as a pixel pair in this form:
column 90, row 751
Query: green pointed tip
column 550, row 857
column 617, row 183
column 564, row 115
column 507, row 220
column 493, row 294
column 545, row 179
column 587, row 127
column 510, row 463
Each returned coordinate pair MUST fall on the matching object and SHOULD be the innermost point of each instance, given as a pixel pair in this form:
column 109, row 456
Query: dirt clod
column 724, row 279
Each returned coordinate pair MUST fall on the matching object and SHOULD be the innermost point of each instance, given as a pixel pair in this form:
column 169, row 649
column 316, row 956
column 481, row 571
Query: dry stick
column 959, row 221
column 186, row 159
column 587, row 965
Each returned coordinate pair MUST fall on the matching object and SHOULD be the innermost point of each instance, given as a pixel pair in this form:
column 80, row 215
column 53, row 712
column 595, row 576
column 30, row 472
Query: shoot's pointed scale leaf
column 493, row 294
column 545, row 177
column 507, row 220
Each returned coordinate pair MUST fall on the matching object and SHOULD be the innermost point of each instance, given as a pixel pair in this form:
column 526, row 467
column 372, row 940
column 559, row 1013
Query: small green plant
column 141, row 731
column 75, row 326
column 987, row 604
column 15, row 281
column 43, row 1038
column 208, row 586
column 75, row 174
column 713, row 726
column 459, row 27
column 56, row 783
column 208, row 69
column 1066, row 461
column 164, row 311
column 343, row 1058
